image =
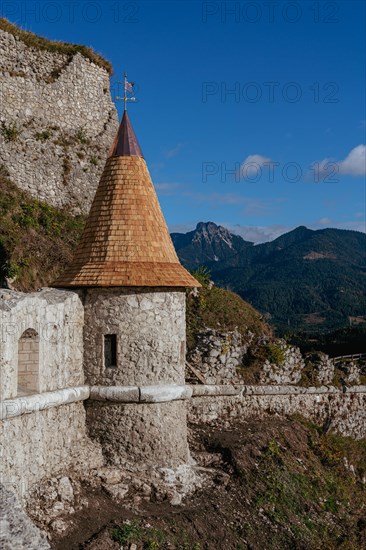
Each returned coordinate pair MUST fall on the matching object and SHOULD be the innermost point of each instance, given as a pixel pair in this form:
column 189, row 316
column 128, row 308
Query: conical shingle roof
column 125, row 241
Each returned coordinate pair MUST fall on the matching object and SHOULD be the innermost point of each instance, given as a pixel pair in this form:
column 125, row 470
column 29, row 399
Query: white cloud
column 258, row 234
column 173, row 152
column 255, row 234
column 263, row 234
column 251, row 168
column 353, row 165
column 353, row 225
column 249, row 206
column 325, row 221
column 355, row 162
column 182, row 227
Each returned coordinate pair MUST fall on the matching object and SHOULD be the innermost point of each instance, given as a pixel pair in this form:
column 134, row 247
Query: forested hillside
column 311, row 280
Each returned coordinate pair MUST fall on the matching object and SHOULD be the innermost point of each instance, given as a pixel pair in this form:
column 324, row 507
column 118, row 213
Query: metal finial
column 127, row 87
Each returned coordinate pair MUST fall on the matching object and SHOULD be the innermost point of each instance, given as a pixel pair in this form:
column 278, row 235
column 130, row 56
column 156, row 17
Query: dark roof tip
column 125, row 143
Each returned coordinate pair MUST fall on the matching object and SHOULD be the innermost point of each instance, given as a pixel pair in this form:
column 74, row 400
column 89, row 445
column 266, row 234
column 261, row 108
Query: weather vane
column 128, row 89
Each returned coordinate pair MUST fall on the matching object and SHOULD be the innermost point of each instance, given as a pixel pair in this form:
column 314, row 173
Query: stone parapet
column 10, row 408
column 142, row 394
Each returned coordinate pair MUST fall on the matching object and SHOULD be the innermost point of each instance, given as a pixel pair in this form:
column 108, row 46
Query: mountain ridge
column 305, row 279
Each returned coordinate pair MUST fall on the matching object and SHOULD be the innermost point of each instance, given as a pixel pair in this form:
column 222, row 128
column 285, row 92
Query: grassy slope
column 36, row 240
column 40, row 43
column 220, row 309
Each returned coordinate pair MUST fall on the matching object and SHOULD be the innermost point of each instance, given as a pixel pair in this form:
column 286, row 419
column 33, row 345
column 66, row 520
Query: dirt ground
column 276, row 483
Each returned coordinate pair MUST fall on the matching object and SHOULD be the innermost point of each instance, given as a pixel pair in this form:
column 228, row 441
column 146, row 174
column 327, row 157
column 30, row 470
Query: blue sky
column 250, row 114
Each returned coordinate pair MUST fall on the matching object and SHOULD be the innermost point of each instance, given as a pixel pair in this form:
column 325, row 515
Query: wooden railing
column 353, row 356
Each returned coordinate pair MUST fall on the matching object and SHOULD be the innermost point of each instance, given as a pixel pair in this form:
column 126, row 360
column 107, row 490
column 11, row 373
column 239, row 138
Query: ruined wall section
column 57, row 121
column 57, row 317
column 344, row 413
column 43, row 430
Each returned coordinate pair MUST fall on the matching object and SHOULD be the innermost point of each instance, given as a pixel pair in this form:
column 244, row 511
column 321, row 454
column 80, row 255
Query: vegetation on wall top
column 38, row 42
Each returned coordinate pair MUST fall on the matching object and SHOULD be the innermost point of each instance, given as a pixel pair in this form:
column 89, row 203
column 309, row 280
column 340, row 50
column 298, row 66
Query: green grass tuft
column 10, row 133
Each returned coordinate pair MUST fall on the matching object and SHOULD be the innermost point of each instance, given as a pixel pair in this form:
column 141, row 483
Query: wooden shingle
column 125, row 241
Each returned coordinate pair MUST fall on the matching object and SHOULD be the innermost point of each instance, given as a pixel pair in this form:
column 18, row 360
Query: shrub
column 275, row 354
column 11, row 132
column 82, row 137
column 43, row 136
column 203, row 275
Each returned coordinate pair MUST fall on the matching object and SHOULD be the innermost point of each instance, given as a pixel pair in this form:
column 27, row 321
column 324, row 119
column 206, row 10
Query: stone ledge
column 198, row 391
column 242, row 391
column 161, row 394
column 143, row 394
column 118, row 394
column 10, row 408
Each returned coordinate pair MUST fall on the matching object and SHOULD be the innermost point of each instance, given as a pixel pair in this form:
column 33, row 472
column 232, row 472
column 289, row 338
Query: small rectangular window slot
column 110, row 350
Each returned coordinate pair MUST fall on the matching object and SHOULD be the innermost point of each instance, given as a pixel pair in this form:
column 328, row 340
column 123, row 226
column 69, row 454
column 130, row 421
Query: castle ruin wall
column 57, row 318
column 44, row 443
column 57, row 121
column 342, row 412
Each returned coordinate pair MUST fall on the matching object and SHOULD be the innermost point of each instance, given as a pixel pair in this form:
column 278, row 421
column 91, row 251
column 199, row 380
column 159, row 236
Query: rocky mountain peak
column 211, row 233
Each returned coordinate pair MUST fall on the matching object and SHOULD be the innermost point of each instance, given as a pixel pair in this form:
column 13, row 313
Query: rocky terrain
column 271, row 483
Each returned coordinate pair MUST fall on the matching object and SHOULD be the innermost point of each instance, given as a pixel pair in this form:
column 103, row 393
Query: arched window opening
column 28, row 362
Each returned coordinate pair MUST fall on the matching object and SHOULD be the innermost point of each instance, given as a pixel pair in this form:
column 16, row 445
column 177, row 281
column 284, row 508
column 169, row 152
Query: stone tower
column 133, row 288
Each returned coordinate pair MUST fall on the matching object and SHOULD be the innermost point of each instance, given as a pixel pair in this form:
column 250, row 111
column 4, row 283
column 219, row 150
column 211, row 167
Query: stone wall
column 342, row 412
column 225, row 357
column 218, row 355
column 151, row 435
column 57, row 121
column 151, row 335
column 41, row 444
column 57, row 317
column 287, row 370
